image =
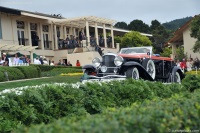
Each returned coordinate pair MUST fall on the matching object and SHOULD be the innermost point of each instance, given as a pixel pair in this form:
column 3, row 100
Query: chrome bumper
column 91, row 78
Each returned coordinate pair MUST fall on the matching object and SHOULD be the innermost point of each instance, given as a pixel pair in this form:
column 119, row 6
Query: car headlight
column 96, row 62
column 103, row 69
column 118, row 60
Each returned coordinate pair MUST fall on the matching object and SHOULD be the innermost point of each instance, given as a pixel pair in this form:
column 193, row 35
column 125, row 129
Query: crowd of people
column 5, row 61
column 188, row 64
column 72, row 42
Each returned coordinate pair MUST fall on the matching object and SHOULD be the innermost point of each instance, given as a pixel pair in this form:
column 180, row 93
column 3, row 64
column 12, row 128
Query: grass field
column 56, row 79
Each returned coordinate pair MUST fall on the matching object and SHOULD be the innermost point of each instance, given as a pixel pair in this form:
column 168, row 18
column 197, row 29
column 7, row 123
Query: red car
column 136, row 63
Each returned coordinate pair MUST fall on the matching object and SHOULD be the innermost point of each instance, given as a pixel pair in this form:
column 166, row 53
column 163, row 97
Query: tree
column 121, row 25
column 138, row 25
column 166, row 52
column 180, row 54
column 134, row 39
column 195, row 32
column 160, row 35
column 154, row 24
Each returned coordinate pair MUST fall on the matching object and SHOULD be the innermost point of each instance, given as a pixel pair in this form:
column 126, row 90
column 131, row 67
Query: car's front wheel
column 133, row 73
column 149, row 65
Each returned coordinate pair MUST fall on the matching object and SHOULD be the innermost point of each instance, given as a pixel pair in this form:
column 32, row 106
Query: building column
column 61, row 32
column 112, row 35
column 104, row 35
column 29, row 35
column 70, row 31
column 96, row 34
column 173, row 45
column 51, row 36
column 65, row 33
column 41, row 37
column 31, row 57
column 87, row 32
column 74, row 32
column 56, row 38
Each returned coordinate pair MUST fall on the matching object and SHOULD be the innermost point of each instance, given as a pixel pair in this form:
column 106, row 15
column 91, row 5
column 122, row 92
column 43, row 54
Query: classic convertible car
column 136, row 63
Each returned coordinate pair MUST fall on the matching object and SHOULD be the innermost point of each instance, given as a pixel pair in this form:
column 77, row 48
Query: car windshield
column 135, row 50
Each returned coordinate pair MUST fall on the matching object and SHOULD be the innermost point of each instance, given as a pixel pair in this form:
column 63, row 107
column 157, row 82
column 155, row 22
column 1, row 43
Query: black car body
column 136, row 63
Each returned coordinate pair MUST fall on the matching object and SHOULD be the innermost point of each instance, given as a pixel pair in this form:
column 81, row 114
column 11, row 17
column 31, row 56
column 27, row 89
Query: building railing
column 23, row 41
column 73, row 43
column 48, row 45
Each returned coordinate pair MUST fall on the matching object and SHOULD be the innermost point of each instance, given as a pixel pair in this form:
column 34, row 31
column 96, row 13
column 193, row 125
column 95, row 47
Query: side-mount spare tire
column 149, row 65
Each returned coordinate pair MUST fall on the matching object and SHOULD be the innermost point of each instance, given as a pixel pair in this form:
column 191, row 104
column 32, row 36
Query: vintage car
column 134, row 62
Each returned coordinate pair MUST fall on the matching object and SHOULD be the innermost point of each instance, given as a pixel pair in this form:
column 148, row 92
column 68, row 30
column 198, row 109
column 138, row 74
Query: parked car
column 134, row 62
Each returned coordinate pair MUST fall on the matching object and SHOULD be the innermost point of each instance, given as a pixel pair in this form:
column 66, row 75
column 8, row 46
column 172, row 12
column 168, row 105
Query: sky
column 118, row 10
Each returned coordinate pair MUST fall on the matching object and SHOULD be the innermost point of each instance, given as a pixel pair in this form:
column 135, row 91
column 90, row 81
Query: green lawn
column 56, row 79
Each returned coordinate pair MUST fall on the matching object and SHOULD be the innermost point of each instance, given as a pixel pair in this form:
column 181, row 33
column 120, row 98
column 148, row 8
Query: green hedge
column 20, row 72
column 50, row 102
column 12, row 72
column 45, row 68
column 29, row 71
column 176, row 114
column 58, row 70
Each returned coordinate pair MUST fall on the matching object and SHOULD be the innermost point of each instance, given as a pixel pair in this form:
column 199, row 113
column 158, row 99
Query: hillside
column 175, row 24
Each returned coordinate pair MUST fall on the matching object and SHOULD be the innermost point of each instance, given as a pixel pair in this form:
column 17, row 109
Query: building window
column 20, row 24
column 45, row 28
column 33, row 26
column 0, row 30
column 67, row 30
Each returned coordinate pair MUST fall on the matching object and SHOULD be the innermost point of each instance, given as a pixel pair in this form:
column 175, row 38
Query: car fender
column 175, row 69
column 143, row 73
column 89, row 67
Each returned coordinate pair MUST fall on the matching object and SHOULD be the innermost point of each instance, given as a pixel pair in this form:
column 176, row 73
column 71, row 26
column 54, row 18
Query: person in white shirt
column 189, row 64
column 16, row 59
column 45, row 61
column 36, row 61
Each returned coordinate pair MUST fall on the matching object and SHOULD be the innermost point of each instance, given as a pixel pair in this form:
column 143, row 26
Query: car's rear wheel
column 174, row 78
column 177, row 77
column 133, row 73
column 149, row 65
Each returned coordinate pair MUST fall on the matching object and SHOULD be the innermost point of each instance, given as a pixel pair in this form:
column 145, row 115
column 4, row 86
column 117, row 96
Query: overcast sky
column 119, row 10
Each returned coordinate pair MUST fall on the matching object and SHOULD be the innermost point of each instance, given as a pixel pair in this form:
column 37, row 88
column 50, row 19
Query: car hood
column 136, row 56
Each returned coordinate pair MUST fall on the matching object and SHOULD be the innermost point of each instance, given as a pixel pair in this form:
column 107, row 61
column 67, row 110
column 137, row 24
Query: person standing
column 69, row 64
column 183, row 64
column 6, row 60
column 16, row 59
column 41, row 60
column 36, row 61
column 78, row 63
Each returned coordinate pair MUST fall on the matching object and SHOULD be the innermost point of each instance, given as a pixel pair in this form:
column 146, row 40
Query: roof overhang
column 14, row 47
column 38, row 16
column 178, row 34
column 10, row 11
column 81, row 21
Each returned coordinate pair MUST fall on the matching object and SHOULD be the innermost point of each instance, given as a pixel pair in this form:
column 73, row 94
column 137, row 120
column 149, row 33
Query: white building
column 182, row 38
column 18, row 29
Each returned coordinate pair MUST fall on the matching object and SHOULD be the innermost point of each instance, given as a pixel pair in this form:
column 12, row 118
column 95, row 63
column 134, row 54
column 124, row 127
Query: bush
column 46, row 68
column 29, row 71
column 157, row 116
column 49, row 102
column 191, row 82
column 13, row 73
